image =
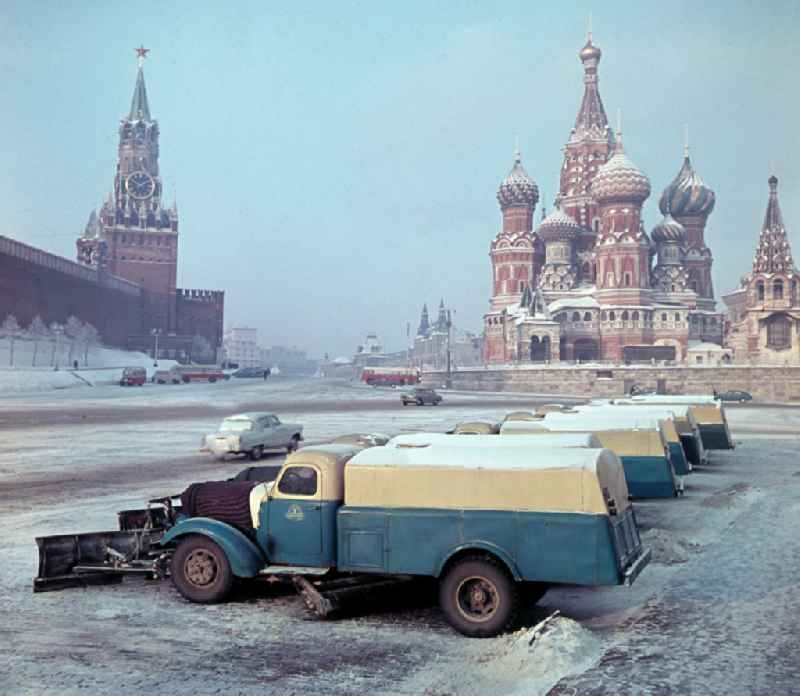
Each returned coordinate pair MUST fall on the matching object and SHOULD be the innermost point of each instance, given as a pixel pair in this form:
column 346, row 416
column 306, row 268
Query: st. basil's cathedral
column 589, row 281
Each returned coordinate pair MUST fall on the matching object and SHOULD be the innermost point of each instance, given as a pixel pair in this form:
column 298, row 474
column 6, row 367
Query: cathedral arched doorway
column 586, row 350
column 546, row 347
column 537, row 350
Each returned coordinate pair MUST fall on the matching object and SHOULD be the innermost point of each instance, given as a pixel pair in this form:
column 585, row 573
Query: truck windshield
column 236, row 425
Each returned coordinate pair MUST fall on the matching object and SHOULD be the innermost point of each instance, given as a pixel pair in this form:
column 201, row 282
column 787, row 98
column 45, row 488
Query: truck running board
column 325, row 597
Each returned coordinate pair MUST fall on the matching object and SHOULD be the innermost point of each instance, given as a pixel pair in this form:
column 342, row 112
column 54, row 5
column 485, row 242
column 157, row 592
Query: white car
column 251, row 434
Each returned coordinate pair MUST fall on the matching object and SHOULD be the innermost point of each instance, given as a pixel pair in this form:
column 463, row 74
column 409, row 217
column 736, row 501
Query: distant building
column 240, row 346
column 289, row 361
column 589, row 281
column 433, row 340
column 370, row 353
column 764, row 312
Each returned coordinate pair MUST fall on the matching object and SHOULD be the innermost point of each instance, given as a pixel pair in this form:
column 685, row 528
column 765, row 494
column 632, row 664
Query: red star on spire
column 142, row 52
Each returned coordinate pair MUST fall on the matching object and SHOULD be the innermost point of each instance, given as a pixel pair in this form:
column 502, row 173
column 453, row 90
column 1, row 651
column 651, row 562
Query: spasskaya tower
column 135, row 236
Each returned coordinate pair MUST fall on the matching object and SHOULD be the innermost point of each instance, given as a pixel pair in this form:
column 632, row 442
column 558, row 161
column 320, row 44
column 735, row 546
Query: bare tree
column 37, row 331
column 201, row 348
column 56, row 330
column 11, row 331
column 73, row 331
column 90, row 337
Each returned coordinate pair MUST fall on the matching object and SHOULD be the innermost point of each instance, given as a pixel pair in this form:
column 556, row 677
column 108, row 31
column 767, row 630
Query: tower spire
column 686, row 141
column 773, row 255
column 140, row 109
column 591, row 120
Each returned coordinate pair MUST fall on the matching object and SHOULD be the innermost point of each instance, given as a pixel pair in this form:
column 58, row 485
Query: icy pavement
column 714, row 613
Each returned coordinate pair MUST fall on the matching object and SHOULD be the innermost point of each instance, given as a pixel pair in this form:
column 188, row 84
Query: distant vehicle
column 421, row 397
column 133, row 377
column 390, row 376
column 251, row 434
column 640, row 390
column 198, row 373
column 250, row 372
column 166, row 377
column 735, row 395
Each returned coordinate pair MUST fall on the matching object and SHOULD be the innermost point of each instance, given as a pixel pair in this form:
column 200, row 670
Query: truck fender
column 245, row 557
column 479, row 546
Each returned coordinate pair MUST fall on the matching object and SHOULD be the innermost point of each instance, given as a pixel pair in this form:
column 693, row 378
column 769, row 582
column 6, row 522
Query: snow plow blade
column 77, row 560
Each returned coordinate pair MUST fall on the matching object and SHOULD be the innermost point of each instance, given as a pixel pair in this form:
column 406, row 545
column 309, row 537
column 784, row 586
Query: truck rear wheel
column 478, row 597
column 256, row 453
column 293, row 444
column 200, row 570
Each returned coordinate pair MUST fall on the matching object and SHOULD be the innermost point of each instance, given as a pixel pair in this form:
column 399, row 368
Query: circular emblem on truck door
column 295, row 513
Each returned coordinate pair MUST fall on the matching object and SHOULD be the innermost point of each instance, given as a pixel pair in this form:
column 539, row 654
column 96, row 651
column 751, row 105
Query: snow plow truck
column 491, row 525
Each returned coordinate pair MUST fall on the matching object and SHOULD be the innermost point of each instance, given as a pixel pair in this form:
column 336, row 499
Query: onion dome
column 517, row 189
column 620, row 179
column 668, row 230
column 687, row 194
column 558, row 226
column 590, row 51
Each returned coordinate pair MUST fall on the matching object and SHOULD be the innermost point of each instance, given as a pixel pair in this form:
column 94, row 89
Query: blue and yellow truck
column 486, row 522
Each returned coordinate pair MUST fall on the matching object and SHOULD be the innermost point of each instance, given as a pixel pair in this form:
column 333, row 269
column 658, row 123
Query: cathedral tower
column 512, row 253
column 690, row 202
column 139, row 233
column 588, row 148
column 512, row 250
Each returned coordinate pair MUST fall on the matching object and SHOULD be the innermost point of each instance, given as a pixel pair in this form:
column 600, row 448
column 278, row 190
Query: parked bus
column 390, row 376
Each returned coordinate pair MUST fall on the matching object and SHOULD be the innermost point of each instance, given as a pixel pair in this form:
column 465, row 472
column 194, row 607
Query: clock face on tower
column 140, row 185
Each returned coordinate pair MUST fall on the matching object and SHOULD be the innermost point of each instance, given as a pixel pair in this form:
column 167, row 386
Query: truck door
column 295, row 518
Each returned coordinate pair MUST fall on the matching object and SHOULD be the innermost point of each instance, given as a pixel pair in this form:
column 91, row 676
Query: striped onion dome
column 558, row 226
column 517, row 189
column 687, row 194
column 619, row 179
column 668, row 230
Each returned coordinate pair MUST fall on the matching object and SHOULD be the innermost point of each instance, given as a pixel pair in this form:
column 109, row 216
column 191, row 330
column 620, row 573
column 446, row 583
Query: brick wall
column 764, row 383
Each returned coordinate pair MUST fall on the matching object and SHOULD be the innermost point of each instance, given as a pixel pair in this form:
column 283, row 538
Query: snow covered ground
column 715, row 612
column 34, row 368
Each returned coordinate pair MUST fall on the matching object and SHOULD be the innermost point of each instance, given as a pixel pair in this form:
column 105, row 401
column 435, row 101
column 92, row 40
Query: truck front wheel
column 478, row 597
column 200, row 570
column 294, row 443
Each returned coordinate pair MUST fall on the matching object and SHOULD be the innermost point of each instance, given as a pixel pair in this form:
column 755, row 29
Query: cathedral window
column 625, row 315
column 779, row 332
column 663, row 317
column 612, row 315
column 576, row 316
column 587, row 316
column 777, row 290
column 635, row 316
column 760, row 290
column 627, row 280
column 603, row 315
column 677, row 317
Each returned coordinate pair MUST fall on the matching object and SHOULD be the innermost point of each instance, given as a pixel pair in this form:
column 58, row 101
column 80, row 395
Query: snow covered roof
column 547, row 440
column 497, row 458
column 583, row 302
column 706, row 347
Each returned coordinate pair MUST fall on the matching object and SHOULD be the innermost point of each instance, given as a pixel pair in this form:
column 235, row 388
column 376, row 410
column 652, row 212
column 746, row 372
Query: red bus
column 390, row 376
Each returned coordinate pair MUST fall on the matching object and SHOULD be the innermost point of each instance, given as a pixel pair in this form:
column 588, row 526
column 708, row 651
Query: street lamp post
column 155, row 333
column 448, row 355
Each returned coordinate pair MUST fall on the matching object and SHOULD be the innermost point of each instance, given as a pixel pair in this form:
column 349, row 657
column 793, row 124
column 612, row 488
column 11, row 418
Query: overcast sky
column 336, row 163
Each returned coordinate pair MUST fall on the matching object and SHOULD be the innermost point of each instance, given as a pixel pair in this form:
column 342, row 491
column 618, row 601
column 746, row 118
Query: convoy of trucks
column 495, row 515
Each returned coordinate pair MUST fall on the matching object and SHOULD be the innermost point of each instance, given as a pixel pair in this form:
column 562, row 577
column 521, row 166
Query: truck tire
column 257, row 452
column 293, row 444
column 200, row 570
column 212, row 380
column 478, row 597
